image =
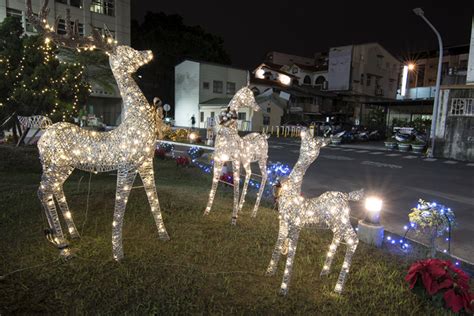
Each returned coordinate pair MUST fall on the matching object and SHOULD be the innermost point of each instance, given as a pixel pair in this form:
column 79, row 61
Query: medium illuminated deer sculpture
column 129, row 148
column 230, row 147
column 330, row 210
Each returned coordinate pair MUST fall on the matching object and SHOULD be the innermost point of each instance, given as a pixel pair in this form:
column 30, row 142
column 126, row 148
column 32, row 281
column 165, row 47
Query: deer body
column 129, row 148
column 330, row 210
column 230, row 147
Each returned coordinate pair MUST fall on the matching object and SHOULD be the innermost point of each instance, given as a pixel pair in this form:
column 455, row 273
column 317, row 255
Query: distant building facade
column 114, row 14
column 204, row 89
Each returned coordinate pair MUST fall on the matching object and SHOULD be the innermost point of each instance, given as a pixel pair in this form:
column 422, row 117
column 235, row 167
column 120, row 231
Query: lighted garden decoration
column 432, row 219
column 230, row 147
column 330, row 210
column 129, row 148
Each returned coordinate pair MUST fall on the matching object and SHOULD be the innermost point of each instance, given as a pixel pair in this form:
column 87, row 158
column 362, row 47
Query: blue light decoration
column 425, row 211
column 275, row 170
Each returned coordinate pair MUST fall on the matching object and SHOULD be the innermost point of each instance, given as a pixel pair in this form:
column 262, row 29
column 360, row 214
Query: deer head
column 122, row 58
column 244, row 98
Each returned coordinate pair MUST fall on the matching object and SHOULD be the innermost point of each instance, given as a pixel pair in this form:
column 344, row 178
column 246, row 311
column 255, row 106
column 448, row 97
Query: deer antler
column 71, row 39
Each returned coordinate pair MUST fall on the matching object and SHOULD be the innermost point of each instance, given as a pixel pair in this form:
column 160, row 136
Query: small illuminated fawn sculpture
column 330, row 210
column 129, row 148
column 230, row 147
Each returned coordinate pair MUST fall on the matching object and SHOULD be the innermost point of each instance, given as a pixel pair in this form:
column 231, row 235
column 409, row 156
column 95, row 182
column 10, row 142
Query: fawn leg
column 352, row 241
column 248, row 172
column 215, row 181
column 61, row 199
column 148, row 178
column 282, row 235
column 263, row 171
column 125, row 181
column 236, row 171
column 294, row 233
column 330, row 255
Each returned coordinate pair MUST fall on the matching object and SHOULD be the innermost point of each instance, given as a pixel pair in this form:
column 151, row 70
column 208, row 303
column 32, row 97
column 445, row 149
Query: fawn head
column 310, row 145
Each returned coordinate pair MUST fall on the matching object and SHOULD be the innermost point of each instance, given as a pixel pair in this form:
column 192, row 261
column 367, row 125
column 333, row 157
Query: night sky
column 252, row 28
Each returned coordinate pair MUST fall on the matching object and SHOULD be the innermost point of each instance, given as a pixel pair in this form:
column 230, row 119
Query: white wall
column 340, row 68
column 470, row 67
column 186, row 89
column 209, row 73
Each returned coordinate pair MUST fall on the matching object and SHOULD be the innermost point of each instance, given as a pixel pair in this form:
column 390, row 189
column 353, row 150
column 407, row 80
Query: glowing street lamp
column 373, row 205
column 370, row 230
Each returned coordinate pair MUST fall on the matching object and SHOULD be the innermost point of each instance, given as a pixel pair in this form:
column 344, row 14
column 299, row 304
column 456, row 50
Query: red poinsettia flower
column 441, row 276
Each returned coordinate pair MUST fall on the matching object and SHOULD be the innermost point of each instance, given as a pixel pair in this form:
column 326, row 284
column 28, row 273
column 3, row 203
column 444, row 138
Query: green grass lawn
column 208, row 266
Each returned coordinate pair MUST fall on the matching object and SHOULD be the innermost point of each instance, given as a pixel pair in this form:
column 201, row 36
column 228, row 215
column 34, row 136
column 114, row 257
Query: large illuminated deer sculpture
column 129, row 148
column 230, row 147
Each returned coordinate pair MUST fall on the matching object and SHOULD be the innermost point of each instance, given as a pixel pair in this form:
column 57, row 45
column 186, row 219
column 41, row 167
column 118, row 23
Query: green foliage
column 171, row 42
column 33, row 80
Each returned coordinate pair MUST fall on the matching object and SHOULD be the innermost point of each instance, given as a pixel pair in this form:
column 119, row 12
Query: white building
column 203, row 89
column 114, row 14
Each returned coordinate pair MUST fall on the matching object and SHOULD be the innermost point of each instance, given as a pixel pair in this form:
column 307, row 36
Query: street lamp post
column 421, row 14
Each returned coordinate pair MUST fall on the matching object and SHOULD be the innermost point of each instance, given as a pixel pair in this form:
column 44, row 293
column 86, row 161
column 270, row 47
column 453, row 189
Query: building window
column 62, row 27
column 202, row 117
column 462, row 107
column 369, row 80
column 307, row 80
column 14, row 13
column 269, row 109
column 205, row 85
column 361, row 79
column 74, row 3
column 230, row 87
column 217, row 86
column 212, row 114
column 266, row 120
column 242, row 116
column 106, row 7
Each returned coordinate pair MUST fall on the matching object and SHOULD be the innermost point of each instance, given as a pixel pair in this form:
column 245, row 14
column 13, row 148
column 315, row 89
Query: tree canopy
column 171, row 42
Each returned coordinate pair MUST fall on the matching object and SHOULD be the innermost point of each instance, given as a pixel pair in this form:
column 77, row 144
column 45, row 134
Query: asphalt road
column 400, row 179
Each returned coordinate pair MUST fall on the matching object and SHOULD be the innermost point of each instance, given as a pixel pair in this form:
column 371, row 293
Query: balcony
column 418, row 93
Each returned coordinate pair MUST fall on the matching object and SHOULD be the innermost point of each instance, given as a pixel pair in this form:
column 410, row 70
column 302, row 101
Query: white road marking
column 333, row 157
column 376, row 153
column 393, row 155
column 379, row 164
column 362, row 151
column 453, row 197
column 410, row 157
column 348, row 149
column 430, row 159
column 276, row 146
column 470, row 164
column 451, row 162
column 295, row 151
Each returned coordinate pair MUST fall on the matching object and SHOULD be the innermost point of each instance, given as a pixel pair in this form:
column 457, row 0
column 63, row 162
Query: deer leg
column 294, row 233
column 282, row 236
column 330, row 255
column 248, row 173
column 263, row 171
column 236, row 171
column 352, row 241
column 148, row 178
column 125, row 181
column 215, row 181
column 45, row 195
column 61, row 199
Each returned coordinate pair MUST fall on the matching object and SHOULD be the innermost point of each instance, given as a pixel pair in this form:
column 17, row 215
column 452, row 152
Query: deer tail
column 356, row 195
